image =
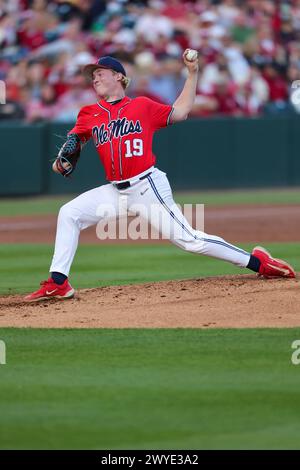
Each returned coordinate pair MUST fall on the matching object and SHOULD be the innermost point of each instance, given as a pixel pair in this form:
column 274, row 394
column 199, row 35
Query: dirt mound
column 227, row 301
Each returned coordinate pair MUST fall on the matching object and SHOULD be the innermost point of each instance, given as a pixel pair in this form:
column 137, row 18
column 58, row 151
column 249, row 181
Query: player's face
column 104, row 81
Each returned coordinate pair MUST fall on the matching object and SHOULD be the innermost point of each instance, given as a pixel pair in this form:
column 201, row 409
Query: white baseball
column 191, row 55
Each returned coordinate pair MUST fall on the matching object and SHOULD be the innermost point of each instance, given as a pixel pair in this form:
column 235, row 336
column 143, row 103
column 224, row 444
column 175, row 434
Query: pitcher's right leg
column 174, row 226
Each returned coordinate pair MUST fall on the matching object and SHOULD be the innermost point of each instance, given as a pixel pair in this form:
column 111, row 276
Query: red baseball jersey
column 123, row 133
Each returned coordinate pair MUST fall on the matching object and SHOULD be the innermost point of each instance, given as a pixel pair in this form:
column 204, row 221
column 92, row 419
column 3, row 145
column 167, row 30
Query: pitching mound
column 228, row 301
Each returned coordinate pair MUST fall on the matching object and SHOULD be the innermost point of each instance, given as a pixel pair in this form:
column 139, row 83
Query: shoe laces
column 44, row 283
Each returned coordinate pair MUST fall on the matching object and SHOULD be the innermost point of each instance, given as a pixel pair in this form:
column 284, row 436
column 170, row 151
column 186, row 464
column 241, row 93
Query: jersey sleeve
column 82, row 127
column 159, row 114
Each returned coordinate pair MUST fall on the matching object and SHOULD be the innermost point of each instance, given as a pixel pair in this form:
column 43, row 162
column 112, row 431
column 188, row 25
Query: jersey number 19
column 134, row 148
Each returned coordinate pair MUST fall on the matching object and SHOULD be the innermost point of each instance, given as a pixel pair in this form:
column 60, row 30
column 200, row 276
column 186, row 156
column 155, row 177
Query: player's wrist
column 193, row 72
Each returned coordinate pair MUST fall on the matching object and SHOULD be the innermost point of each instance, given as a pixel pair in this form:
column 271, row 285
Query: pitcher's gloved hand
column 68, row 156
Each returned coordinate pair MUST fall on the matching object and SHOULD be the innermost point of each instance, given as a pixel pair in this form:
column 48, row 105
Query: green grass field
column 24, row 266
column 149, row 389
column 144, row 389
column 51, row 204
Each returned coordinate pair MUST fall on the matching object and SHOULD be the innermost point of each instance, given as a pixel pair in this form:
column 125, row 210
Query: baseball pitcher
column 122, row 130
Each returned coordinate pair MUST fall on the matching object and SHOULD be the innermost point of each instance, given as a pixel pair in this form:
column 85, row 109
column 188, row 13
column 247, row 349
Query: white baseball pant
column 154, row 191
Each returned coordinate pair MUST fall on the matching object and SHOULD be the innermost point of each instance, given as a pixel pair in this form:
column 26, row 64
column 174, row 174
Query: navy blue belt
column 127, row 184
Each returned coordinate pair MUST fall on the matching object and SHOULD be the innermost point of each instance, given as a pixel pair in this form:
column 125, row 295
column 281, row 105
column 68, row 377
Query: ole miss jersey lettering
column 115, row 129
column 123, row 133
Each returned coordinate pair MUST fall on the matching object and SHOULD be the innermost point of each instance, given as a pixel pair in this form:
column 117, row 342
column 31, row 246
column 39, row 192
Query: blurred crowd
column 249, row 53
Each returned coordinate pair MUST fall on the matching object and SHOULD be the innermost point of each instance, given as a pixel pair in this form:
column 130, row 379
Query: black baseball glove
column 68, row 155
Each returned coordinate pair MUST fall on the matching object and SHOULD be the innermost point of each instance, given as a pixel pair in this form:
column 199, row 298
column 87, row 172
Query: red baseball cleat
column 272, row 267
column 50, row 290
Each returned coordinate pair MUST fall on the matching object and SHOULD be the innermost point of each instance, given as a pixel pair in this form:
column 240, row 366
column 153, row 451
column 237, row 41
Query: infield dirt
column 229, row 301
column 243, row 223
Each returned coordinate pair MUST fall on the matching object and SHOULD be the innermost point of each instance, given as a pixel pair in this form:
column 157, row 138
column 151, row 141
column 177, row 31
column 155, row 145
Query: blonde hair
column 125, row 82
